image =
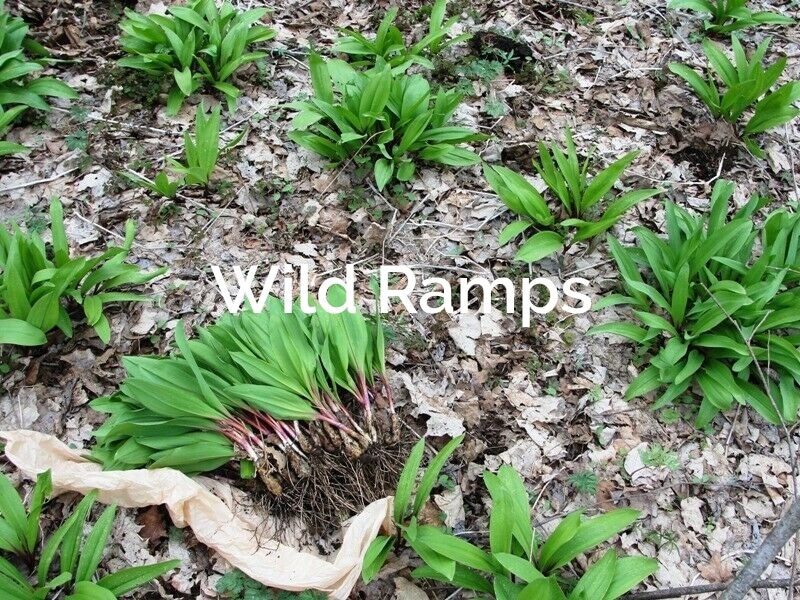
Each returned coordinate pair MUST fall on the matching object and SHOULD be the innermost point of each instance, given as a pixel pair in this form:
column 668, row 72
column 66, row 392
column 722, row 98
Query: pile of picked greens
column 248, row 384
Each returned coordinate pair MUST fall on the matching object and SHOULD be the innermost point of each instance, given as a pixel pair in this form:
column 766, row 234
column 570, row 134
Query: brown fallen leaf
column 430, row 515
column 715, row 570
column 32, row 374
column 151, row 521
column 407, row 590
column 603, row 496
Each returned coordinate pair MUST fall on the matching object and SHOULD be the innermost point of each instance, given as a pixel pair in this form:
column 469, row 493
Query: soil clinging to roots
column 329, row 485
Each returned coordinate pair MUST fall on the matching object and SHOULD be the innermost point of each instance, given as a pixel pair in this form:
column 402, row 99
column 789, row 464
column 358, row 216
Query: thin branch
column 19, row 186
column 692, row 590
column 747, row 577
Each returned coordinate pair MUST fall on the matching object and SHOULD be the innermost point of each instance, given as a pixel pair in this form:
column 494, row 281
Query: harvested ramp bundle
column 299, row 401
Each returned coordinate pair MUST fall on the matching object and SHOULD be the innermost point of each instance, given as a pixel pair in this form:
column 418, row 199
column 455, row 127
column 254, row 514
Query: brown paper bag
column 211, row 520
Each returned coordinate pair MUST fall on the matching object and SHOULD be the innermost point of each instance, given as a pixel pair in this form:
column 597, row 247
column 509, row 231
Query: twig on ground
column 747, row 577
column 26, row 184
column 122, row 124
column 103, row 229
column 733, row 424
column 693, row 590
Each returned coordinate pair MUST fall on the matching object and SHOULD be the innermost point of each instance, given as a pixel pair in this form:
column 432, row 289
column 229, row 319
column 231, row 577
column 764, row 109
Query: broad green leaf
column 604, row 181
column 431, row 474
column 194, row 457
column 41, row 493
column 86, row 590
column 320, row 78
column 597, row 579
column 519, row 195
column 445, row 567
column 461, row 577
column 279, row 403
column 512, row 230
column 519, row 567
column 383, row 172
column 647, row 381
column 539, row 246
column 510, row 518
column 505, row 589
column 66, row 540
column 588, row 535
column 705, row 91
column 405, row 484
column 58, row 233
column 698, row 5
column 126, row 580
column 562, row 534
column 14, row 583
column 184, row 80
column 12, row 511
column 20, row 333
column 376, row 556
column 542, row 589
column 94, row 545
column 455, row 548
column 630, row 571
column 717, row 383
column 621, row 328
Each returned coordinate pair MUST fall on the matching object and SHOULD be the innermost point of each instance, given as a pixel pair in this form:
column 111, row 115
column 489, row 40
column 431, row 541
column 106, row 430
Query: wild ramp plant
column 726, row 16
column 66, row 563
column 39, row 282
column 517, row 565
column 390, row 46
column 201, row 153
column 162, row 184
column 194, row 45
column 580, row 199
column 748, row 86
column 249, row 384
column 715, row 304
column 380, row 119
column 202, row 150
column 16, row 67
column 20, row 58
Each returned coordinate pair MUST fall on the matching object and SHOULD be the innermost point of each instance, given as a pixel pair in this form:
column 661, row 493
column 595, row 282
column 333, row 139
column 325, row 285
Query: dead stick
column 747, row 577
column 692, row 590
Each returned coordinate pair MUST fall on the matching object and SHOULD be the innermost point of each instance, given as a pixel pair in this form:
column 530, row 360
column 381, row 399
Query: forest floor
column 546, row 399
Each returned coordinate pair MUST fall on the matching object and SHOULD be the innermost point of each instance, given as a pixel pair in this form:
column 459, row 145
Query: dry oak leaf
column 151, row 521
column 691, row 514
column 716, row 570
column 405, row 590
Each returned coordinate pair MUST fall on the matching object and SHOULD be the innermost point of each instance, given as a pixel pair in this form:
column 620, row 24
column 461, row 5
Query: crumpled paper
column 211, row 520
